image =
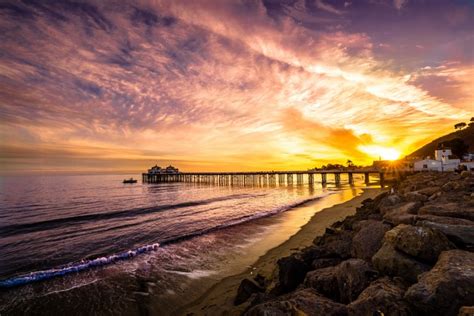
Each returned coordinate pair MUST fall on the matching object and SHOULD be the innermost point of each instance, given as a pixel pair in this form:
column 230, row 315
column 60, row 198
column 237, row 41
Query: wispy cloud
column 328, row 7
column 205, row 83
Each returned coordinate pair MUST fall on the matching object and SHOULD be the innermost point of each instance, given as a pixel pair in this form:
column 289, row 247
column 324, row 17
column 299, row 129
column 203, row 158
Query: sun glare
column 384, row 153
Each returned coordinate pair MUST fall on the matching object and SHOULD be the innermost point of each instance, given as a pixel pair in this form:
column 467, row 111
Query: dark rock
column 353, row 276
column 391, row 262
column 451, row 186
column 367, row 202
column 324, row 281
column 415, row 197
column 350, row 222
column 429, row 191
column 343, row 282
column 466, row 311
column 330, row 231
column 245, row 290
column 309, row 254
column 452, row 209
column 391, row 235
column 291, row 272
column 260, row 279
column 390, row 200
column 259, row 298
column 447, row 287
column 443, row 220
column 368, row 240
column 434, row 196
column 402, row 214
column 375, row 217
column 302, row 302
column 461, row 235
column 334, row 245
column 382, row 297
column 324, row 263
column 466, row 174
column 422, row 243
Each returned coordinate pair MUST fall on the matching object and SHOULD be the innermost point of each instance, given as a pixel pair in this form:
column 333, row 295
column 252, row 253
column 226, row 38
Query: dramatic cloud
column 226, row 85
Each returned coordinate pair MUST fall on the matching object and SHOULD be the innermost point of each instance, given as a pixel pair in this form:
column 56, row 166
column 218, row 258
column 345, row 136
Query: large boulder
column 429, row 191
column 343, row 282
column 302, row 302
column 353, row 276
column 415, row 197
column 389, row 201
column 466, row 311
column 324, row 263
column 382, row 297
column 324, row 281
column 449, row 209
column 461, row 235
column 443, row 220
column 391, row 262
column 334, row 244
column 392, row 235
column 423, row 243
column 447, row 287
column 368, row 240
column 291, row 272
column 451, row 186
column 402, row 214
column 245, row 290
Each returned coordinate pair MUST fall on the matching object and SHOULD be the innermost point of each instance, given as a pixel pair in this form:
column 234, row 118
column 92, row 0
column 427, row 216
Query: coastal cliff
column 404, row 252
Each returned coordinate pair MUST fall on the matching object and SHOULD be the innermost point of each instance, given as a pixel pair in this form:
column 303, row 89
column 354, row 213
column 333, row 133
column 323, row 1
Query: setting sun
column 384, row 153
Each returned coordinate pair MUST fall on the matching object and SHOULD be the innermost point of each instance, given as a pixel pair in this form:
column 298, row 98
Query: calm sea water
column 56, row 230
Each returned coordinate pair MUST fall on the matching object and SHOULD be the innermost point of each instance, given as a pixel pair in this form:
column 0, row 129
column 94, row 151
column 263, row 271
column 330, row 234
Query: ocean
column 86, row 244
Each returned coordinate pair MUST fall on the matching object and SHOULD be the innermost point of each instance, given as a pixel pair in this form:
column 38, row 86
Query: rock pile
column 408, row 252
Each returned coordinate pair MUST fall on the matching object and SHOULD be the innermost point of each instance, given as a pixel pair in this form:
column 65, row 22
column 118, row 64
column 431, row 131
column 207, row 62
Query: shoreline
column 218, row 299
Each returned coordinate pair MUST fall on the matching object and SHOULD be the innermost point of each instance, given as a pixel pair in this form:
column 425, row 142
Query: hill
column 466, row 134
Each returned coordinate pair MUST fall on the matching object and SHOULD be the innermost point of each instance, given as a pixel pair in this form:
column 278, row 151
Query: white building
column 468, row 157
column 444, row 161
column 427, row 165
column 469, row 165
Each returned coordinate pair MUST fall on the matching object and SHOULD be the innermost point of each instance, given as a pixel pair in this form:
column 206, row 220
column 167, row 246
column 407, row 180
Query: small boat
column 131, row 180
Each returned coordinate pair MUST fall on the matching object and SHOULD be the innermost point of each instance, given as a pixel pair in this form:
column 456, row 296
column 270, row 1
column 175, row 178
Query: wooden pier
column 267, row 177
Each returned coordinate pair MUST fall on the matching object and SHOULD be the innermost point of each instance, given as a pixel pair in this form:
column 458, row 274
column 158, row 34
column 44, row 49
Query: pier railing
column 266, row 177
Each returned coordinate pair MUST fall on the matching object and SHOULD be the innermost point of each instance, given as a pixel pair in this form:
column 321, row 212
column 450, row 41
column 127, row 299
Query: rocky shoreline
column 409, row 251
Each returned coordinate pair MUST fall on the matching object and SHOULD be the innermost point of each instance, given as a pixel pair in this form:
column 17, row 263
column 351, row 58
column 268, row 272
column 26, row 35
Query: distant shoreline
column 219, row 298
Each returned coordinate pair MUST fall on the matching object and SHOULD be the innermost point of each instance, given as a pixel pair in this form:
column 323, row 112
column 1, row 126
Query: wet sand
column 218, row 300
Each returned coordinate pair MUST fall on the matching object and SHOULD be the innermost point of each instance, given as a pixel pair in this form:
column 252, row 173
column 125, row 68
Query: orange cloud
column 207, row 84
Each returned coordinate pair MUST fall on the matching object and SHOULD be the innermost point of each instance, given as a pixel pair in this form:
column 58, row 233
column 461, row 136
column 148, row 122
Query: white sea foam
column 77, row 267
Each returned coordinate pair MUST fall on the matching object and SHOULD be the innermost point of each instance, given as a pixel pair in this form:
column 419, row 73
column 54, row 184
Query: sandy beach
column 218, row 300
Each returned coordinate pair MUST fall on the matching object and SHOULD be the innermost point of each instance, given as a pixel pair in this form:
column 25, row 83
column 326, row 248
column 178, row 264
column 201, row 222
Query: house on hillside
column 427, row 165
column 469, row 165
column 444, row 161
column 468, row 157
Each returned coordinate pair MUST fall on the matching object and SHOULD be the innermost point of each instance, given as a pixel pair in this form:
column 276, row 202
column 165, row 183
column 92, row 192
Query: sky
column 219, row 85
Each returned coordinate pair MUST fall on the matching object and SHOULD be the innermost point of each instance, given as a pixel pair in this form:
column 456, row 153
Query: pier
column 269, row 177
